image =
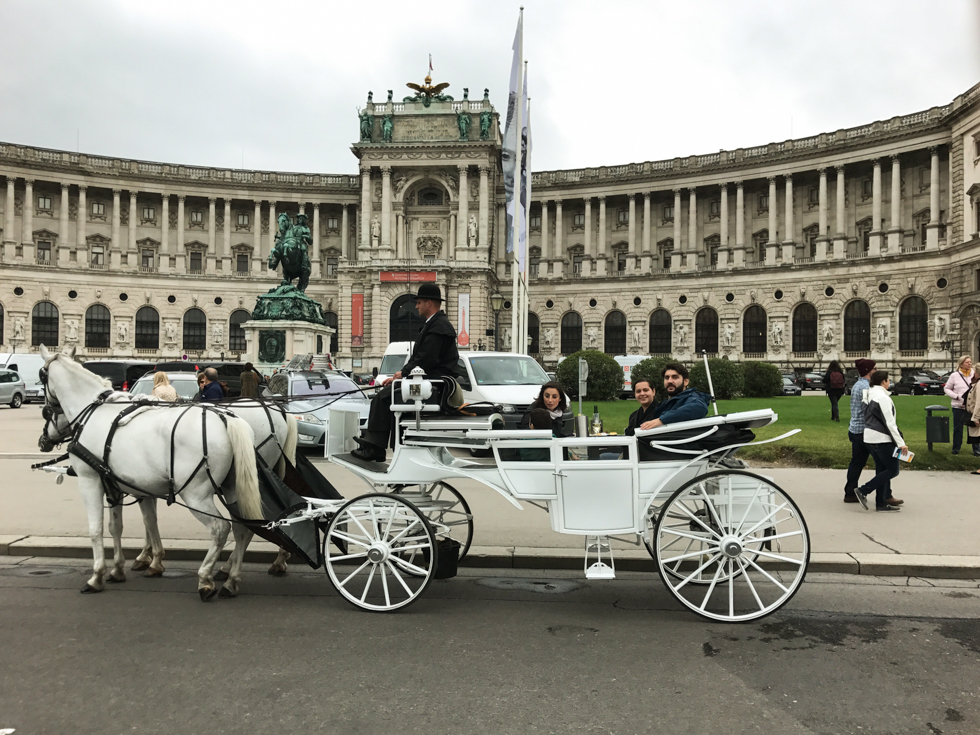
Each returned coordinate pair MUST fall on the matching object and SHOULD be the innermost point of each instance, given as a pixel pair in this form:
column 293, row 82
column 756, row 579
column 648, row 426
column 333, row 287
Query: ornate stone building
column 855, row 242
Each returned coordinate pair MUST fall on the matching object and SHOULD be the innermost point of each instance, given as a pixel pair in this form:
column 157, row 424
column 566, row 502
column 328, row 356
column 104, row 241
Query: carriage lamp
column 416, row 388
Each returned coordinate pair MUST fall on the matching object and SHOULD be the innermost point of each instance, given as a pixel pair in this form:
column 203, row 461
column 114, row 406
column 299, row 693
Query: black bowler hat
column 429, row 291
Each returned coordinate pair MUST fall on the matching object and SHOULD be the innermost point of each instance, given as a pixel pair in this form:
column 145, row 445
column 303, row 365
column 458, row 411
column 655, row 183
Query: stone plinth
column 271, row 343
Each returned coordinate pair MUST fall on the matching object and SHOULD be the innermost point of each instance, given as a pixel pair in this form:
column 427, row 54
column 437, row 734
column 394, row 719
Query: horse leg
column 242, row 538
column 92, row 495
column 118, row 573
column 142, row 560
column 279, row 566
column 203, row 508
column 153, row 553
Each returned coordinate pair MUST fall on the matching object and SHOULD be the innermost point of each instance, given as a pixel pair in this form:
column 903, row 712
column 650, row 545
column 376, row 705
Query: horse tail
column 242, row 441
column 289, row 446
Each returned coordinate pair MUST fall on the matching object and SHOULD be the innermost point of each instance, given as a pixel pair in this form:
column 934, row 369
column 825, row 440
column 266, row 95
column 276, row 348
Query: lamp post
column 496, row 303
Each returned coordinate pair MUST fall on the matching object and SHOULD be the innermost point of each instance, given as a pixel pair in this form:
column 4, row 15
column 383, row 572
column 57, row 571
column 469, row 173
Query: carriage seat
column 700, row 435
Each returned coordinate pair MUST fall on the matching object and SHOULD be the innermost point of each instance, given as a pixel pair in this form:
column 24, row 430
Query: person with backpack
column 884, row 440
column 957, row 386
column 834, row 382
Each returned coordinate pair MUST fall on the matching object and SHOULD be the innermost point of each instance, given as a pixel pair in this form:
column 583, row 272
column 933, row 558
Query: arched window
column 754, row 329
column 533, row 330
column 571, row 333
column 660, row 332
column 147, row 329
column 195, row 331
column 857, row 327
column 706, row 331
column 44, row 324
column 913, row 327
column 236, row 333
column 614, row 342
column 331, row 319
column 98, row 321
column 805, row 328
column 404, row 321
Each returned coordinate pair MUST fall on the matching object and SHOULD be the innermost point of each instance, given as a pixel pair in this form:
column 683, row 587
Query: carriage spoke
column 352, row 574
column 697, row 571
column 696, row 519
column 350, row 539
column 367, row 585
column 405, row 530
column 767, row 575
column 731, row 589
column 690, row 555
column 745, row 515
column 771, row 514
column 346, row 557
column 769, row 555
column 682, row 534
column 711, row 587
column 391, row 519
column 384, row 584
column 397, row 576
column 367, row 534
column 745, row 576
column 411, row 568
column 757, row 539
column 711, row 506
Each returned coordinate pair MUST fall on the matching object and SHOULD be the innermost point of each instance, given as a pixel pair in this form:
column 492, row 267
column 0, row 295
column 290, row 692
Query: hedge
column 761, row 380
column 605, row 375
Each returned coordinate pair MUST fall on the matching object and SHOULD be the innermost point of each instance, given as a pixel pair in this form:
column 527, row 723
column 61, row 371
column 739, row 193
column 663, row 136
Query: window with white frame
column 98, row 209
column 333, row 223
column 147, row 258
column 623, row 216
column 763, row 202
column 578, row 219
column 668, row 213
column 98, row 255
column 44, row 203
column 241, row 263
column 149, row 214
column 197, row 217
column 243, row 221
column 196, row 261
column 43, row 251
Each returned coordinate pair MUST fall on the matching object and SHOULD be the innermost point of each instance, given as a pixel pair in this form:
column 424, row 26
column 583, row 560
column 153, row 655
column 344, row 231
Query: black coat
column 640, row 417
column 435, row 349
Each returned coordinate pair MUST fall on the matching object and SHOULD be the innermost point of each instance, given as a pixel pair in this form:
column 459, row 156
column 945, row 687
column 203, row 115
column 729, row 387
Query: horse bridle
column 52, row 409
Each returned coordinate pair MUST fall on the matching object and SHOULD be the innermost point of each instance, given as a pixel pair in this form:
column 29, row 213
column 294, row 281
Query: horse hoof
column 89, row 589
column 139, row 566
column 207, row 593
column 226, row 593
column 112, row 579
column 277, row 572
column 153, row 573
column 220, row 575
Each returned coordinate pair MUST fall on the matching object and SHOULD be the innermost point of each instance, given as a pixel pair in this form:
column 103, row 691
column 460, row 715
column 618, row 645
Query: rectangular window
column 147, row 258
column 867, row 189
column 714, row 208
column 668, row 213
column 535, row 221
column 241, row 263
column 333, row 223
column 196, row 261
column 621, row 262
column 243, row 220
column 624, row 216
column 332, row 266
column 813, row 196
column 43, row 251
column 98, row 255
column 44, row 203
column 149, row 214
column 577, row 264
column 533, row 265
column 197, row 217
column 98, row 209
column 763, row 203
column 578, row 220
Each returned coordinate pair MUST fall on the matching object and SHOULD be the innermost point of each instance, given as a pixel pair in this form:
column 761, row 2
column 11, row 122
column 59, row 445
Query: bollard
column 937, row 427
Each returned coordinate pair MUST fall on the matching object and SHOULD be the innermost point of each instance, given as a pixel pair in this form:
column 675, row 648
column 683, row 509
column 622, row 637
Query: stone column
column 378, row 338
column 693, row 247
column 932, row 229
column 365, row 244
column 645, row 257
column 677, row 257
column 484, row 223
column 64, row 246
column 453, row 230
column 895, row 223
column 315, row 255
column 738, row 259
column 164, row 262
column 133, row 222
column 603, row 257
column 587, row 244
column 115, row 249
column 772, row 245
column 8, row 221
column 631, row 240
column 344, row 233
column 463, row 218
column 81, row 244
column 874, row 244
column 386, row 210
column 723, row 260
column 27, row 221
column 226, row 266
column 211, row 256
column 840, row 236
column 545, row 250
column 257, row 264
column 789, row 245
column 558, row 249
column 822, row 240
column 181, row 253
column 400, row 253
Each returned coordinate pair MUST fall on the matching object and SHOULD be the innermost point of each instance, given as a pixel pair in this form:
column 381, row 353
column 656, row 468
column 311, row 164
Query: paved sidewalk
column 934, row 536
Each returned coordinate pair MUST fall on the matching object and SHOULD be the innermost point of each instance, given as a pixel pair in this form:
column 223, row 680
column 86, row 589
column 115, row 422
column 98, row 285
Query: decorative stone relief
column 122, row 333
column 682, row 335
column 429, row 246
column 776, row 336
column 592, row 336
column 942, row 328
column 71, row 330
column 549, row 339
column 636, row 337
column 170, row 333
column 18, row 330
column 881, row 332
column 729, row 337
column 828, row 336
column 217, row 335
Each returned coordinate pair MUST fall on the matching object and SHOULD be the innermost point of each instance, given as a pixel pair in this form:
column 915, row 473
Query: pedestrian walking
column 956, row 388
column 882, row 437
column 855, row 429
column 972, row 406
column 834, row 382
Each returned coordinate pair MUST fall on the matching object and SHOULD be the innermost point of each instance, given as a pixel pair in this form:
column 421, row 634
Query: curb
column 518, row 557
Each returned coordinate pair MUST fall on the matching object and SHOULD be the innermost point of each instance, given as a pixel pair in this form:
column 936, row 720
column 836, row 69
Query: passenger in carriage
column 552, row 399
column 539, row 418
column 683, row 402
column 642, row 418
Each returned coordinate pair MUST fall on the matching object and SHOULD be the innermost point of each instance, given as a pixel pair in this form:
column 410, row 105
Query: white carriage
column 728, row 543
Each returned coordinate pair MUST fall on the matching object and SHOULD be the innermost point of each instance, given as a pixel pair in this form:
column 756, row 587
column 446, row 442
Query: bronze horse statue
column 290, row 250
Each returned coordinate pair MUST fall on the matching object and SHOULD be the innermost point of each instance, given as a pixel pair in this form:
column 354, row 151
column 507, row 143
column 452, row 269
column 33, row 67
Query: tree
column 651, row 369
column 605, row 375
column 726, row 376
column 761, row 380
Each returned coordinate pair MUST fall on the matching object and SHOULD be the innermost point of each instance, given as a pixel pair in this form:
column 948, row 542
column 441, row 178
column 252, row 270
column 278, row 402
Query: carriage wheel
column 456, row 517
column 749, row 551
column 380, row 531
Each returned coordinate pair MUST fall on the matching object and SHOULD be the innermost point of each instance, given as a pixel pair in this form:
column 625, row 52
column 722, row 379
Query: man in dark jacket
column 682, row 404
column 212, row 388
column 434, row 352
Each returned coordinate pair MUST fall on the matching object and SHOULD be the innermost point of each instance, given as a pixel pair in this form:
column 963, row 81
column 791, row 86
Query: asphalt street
column 487, row 652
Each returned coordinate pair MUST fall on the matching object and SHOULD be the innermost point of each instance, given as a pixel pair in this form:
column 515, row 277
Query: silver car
column 315, row 395
column 184, row 383
column 12, row 389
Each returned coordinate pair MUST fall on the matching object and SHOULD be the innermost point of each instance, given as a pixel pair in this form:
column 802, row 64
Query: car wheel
column 16, row 401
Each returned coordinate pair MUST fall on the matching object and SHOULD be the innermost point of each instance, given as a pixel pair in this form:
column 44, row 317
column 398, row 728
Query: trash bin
column 937, row 427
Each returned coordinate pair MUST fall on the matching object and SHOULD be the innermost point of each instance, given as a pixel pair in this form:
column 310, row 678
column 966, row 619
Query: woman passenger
column 643, row 391
column 162, row 390
column 553, row 399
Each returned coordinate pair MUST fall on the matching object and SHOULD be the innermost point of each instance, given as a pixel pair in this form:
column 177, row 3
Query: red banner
column 357, row 320
column 407, row 276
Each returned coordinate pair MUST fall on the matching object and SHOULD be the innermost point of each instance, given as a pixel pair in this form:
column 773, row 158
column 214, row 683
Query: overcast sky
column 275, row 85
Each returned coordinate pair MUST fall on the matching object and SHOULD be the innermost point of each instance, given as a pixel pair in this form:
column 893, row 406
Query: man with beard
column 682, row 404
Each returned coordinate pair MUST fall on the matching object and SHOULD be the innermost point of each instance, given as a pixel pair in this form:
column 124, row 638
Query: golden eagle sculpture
column 427, row 92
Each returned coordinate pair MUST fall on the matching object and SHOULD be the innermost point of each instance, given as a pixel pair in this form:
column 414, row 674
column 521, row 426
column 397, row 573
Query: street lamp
column 496, row 303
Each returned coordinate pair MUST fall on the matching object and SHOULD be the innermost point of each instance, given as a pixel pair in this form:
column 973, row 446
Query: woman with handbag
column 957, row 385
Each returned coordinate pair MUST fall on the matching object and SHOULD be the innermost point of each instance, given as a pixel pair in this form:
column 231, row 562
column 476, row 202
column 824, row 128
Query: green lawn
column 821, row 443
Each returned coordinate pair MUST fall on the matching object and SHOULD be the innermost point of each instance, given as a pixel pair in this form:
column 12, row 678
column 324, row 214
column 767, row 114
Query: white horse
column 140, row 459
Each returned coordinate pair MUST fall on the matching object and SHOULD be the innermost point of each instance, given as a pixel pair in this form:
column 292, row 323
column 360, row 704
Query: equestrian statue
column 290, row 251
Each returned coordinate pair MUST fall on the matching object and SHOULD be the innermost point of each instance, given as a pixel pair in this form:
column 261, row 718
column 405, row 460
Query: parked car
column 28, row 366
column 13, row 391
column 790, row 388
column 185, row 383
column 316, row 395
column 811, row 381
column 229, row 373
column 918, row 384
column 122, row 373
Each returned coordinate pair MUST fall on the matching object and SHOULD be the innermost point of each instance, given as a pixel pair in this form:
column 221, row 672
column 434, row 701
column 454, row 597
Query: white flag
column 509, row 151
column 525, row 180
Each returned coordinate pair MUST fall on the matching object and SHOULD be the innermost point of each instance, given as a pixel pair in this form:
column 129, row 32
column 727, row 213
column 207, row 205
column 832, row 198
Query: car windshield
column 931, row 374
column 787, row 381
column 507, row 370
column 391, row 364
column 316, row 386
column 186, row 387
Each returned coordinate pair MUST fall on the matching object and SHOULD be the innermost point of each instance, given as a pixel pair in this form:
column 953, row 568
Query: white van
column 628, row 362
column 395, row 357
column 28, row 366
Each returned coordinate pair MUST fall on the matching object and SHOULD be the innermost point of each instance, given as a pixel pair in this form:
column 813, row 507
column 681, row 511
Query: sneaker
column 893, row 508
column 850, row 499
column 894, row 501
column 861, row 498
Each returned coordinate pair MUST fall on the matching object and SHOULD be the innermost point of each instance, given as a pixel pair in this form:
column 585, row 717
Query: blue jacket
column 687, row 405
column 212, row 392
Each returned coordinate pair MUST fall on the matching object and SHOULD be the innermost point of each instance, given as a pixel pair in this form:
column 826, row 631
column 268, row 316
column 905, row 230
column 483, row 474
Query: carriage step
column 603, row 566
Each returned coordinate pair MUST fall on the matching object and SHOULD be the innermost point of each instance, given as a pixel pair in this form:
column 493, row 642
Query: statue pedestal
column 271, row 343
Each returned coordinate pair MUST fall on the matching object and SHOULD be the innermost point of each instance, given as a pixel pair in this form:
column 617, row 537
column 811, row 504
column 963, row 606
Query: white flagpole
column 515, row 298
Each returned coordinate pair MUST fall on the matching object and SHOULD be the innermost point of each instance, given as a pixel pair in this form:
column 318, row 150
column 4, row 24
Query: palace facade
column 858, row 242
